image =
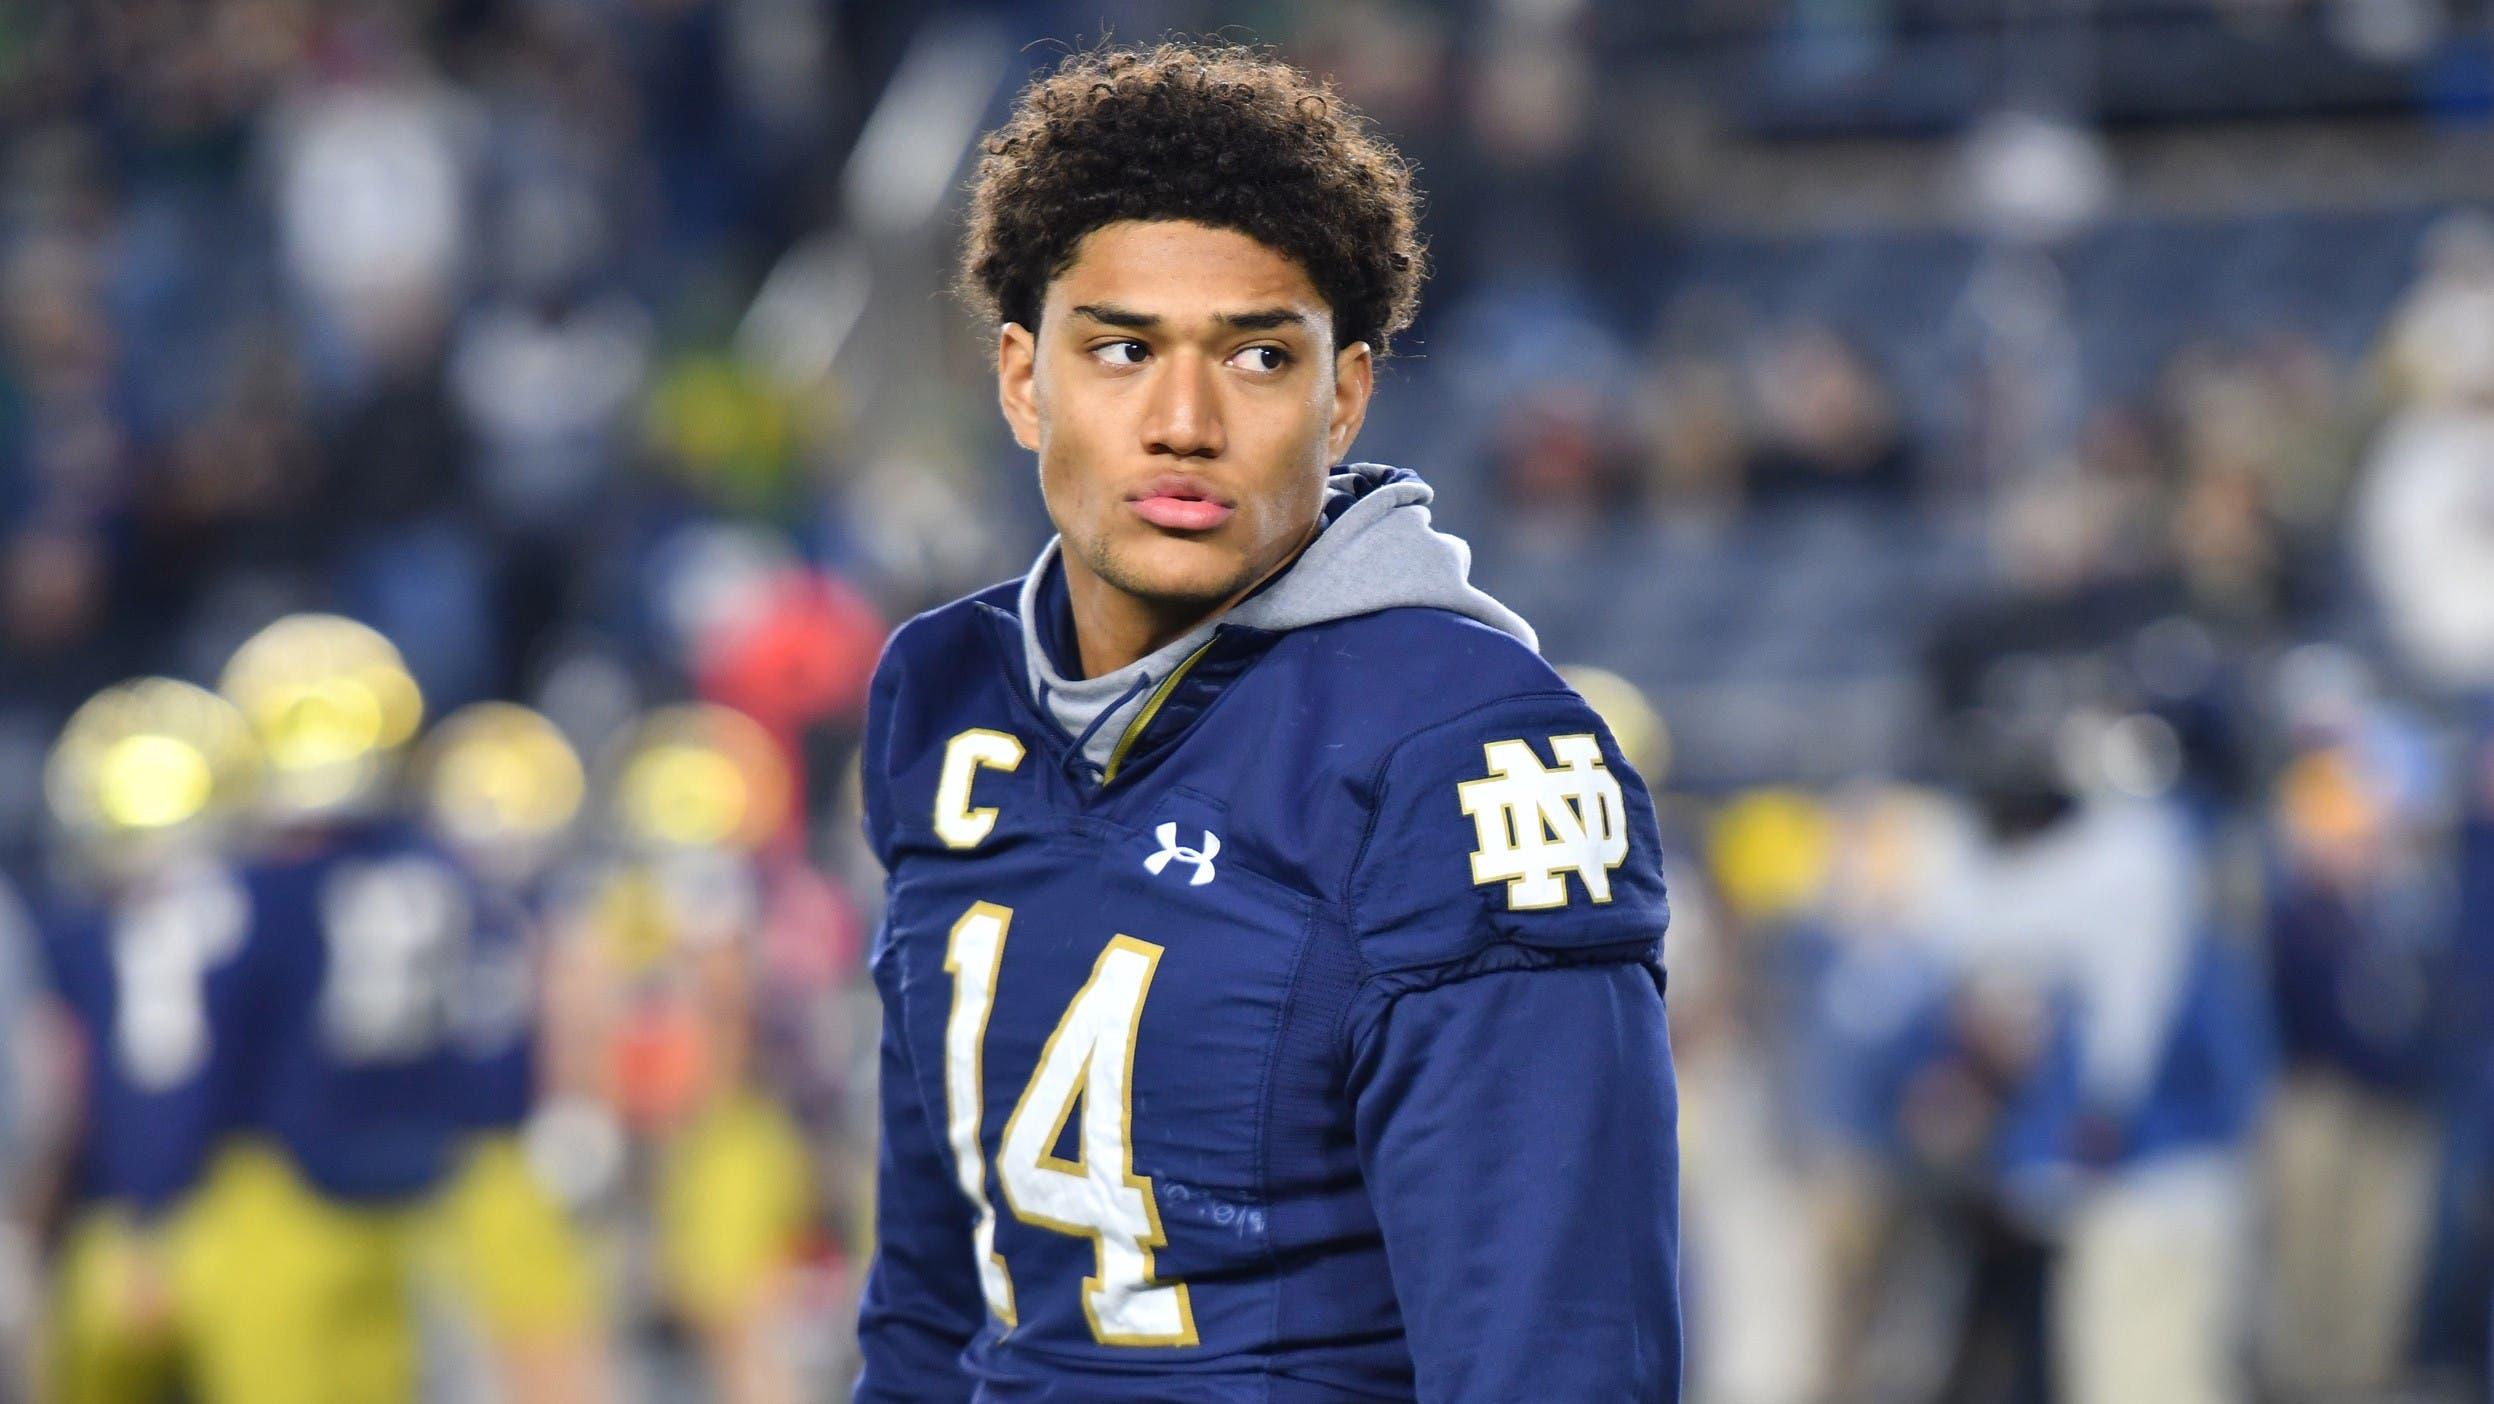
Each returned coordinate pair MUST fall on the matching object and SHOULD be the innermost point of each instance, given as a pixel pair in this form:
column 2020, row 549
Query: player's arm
column 922, row 1302
column 1516, row 1132
column 49, row 1047
column 1510, row 1066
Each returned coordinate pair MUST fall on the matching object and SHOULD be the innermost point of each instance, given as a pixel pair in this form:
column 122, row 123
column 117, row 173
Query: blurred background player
column 666, row 968
column 501, row 788
column 143, row 946
column 360, row 929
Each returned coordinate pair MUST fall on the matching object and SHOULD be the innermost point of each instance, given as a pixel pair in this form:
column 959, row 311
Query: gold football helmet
column 699, row 777
column 1643, row 737
column 1771, row 851
column 332, row 704
column 147, row 763
column 500, row 784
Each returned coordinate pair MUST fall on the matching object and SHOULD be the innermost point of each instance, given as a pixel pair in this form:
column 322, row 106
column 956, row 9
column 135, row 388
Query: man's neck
column 1113, row 628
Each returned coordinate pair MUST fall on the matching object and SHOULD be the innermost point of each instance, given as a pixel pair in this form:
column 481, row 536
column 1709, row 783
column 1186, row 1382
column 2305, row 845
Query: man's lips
column 1178, row 503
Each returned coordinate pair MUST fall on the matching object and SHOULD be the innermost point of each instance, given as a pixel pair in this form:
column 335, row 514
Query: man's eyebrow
column 1117, row 316
column 1261, row 319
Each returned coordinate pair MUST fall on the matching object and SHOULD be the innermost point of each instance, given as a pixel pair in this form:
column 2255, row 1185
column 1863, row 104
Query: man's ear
column 1017, row 391
column 1355, row 379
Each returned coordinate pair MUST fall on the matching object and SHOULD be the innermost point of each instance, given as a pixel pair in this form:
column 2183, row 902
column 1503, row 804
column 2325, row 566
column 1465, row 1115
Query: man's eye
column 1119, row 353
column 1263, row 358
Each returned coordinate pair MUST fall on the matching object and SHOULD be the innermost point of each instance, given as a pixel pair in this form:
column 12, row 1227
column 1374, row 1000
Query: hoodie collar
column 1375, row 551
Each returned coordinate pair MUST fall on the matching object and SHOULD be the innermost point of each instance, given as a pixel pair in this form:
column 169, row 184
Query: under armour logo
column 1538, row 824
column 1169, row 850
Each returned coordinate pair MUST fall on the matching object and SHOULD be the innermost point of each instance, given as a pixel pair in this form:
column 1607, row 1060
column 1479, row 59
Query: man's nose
column 1183, row 418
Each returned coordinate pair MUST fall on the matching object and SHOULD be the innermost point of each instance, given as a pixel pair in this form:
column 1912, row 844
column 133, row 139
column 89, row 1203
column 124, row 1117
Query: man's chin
column 1175, row 574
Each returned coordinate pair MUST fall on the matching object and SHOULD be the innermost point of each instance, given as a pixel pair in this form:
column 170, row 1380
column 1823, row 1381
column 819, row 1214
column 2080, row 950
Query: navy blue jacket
column 364, row 945
column 1318, row 1054
column 323, row 998
column 165, row 989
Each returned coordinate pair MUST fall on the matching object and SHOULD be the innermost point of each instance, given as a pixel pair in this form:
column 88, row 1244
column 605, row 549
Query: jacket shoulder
column 943, row 653
column 1416, row 666
column 927, row 639
column 1496, row 806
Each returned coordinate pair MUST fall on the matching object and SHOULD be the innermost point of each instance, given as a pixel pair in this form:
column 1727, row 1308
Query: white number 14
column 1088, row 1059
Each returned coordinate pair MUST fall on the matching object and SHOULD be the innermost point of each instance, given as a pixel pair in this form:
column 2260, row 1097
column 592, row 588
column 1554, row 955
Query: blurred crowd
column 544, row 1020
column 2063, row 633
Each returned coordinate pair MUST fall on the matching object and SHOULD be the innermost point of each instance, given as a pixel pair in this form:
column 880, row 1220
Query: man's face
column 1185, row 398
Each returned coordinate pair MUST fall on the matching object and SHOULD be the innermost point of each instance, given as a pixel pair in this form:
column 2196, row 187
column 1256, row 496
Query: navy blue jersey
column 367, row 942
column 162, row 989
column 1318, row 1055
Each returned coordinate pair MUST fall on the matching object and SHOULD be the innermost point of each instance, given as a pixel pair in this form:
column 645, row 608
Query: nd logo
column 1539, row 823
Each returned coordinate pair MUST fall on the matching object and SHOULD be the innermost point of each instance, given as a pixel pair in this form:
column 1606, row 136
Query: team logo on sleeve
column 1539, row 823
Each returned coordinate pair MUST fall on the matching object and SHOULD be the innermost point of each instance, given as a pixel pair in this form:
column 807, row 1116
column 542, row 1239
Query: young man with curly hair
column 1271, row 965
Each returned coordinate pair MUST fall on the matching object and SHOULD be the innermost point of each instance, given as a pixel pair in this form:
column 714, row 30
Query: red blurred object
column 661, row 1066
column 803, row 659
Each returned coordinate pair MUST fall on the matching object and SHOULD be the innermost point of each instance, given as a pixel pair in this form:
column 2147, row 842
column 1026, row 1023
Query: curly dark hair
column 1218, row 133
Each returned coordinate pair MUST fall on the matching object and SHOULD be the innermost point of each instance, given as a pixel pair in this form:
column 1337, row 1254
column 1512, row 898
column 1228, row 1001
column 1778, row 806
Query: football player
column 143, row 952
column 500, row 786
column 1271, row 955
column 359, row 928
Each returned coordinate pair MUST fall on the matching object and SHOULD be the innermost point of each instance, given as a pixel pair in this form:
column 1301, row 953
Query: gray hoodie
column 1377, row 551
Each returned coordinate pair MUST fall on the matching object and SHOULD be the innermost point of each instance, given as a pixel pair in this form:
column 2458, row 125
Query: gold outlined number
column 972, row 955
column 1087, row 1060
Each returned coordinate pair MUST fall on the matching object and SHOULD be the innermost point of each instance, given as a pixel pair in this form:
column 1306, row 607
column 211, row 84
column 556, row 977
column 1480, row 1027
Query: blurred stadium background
column 2024, row 470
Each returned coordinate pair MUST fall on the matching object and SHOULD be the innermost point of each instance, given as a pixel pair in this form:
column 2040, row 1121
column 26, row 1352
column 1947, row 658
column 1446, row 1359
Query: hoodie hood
column 1375, row 551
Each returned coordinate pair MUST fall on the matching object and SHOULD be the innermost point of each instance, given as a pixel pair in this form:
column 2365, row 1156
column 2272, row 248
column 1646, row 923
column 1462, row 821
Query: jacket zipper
column 1151, row 709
